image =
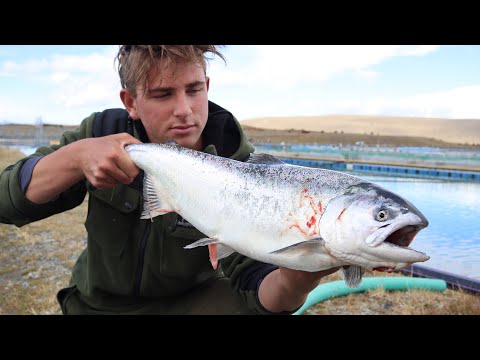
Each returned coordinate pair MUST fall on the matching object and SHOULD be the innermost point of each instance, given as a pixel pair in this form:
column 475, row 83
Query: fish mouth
column 393, row 241
column 397, row 233
column 403, row 237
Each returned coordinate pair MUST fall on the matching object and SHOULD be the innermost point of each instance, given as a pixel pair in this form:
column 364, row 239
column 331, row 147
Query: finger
column 118, row 175
column 105, row 186
column 126, row 139
column 105, row 182
column 127, row 166
column 124, row 162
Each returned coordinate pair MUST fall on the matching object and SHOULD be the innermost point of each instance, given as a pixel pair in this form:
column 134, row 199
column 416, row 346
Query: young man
column 134, row 266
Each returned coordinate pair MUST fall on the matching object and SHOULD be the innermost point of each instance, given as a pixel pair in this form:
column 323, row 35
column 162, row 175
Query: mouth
column 182, row 129
column 390, row 243
column 394, row 246
column 403, row 237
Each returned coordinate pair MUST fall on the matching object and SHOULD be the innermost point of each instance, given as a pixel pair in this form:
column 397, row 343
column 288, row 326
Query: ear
column 207, row 82
column 129, row 103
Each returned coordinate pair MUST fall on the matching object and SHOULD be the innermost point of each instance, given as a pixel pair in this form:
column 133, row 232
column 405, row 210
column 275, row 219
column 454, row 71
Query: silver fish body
column 292, row 216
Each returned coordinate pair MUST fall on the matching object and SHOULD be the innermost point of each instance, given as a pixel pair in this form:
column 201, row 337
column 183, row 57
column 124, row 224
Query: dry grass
column 36, row 260
column 411, row 302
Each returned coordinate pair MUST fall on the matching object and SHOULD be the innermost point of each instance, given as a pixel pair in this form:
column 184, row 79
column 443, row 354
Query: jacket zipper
column 141, row 260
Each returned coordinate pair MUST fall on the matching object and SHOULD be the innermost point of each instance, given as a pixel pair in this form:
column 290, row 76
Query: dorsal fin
column 264, row 159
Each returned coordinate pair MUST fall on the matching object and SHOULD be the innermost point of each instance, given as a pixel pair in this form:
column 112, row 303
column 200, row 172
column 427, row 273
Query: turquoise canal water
column 452, row 239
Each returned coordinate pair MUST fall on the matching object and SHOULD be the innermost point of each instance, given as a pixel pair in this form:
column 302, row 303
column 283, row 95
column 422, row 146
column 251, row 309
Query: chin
column 188, row 143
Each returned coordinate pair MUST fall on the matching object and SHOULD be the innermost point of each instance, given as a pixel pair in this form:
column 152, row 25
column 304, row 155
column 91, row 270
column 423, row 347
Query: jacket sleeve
column 246, row 276
column 16, row 209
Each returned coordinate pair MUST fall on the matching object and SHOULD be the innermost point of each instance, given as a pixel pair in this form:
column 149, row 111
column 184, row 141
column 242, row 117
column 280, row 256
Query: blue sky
column 65, row 84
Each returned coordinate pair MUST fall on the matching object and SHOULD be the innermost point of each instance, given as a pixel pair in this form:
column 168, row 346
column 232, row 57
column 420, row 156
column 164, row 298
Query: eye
column 382, row 215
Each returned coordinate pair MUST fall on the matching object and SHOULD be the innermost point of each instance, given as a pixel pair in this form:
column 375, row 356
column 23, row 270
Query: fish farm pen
column 388, row 169
column 445, row 164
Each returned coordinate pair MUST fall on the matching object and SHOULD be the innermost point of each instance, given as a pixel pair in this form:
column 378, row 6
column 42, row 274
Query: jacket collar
column 222, row 136
column 222, row 130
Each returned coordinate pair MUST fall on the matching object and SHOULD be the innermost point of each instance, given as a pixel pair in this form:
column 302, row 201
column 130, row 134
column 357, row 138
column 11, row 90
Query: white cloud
column 263, row 81
column 366, row 74
column 30, row 66
column 417, row 50
column 456, row 103
column 285, row 66
column 72, row 84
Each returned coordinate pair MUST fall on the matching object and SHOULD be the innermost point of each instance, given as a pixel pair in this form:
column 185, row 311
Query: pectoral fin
column 152, row 205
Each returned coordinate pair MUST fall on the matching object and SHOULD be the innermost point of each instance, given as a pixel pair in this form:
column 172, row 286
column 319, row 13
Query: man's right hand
column 103, row 161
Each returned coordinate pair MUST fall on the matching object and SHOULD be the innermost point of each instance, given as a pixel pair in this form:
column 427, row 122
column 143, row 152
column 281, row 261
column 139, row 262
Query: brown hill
column 292, row 136
column 456, row 131
column 335, row 129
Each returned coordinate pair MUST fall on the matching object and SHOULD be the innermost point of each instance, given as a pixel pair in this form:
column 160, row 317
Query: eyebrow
column 167, row 89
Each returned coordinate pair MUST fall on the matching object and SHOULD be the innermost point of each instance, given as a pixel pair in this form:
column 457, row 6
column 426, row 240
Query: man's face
column 175, row 106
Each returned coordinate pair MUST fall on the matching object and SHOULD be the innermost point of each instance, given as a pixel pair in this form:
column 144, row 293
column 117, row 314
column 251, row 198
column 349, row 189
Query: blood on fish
column 316, row 208
column 311, row 221
column 298, row 227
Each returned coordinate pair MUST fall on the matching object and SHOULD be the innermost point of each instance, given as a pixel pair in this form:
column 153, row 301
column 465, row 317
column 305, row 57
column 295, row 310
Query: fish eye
column 382, row 215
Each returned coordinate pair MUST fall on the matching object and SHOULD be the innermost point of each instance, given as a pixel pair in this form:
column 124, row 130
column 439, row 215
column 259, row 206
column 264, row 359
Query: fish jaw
column 391, row 242
column 354, row 235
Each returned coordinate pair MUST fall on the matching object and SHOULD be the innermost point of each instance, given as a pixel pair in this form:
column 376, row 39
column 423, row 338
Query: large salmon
column 292, row 216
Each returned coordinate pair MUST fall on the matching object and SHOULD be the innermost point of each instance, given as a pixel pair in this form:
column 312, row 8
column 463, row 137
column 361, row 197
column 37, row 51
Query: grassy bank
column 36, row 260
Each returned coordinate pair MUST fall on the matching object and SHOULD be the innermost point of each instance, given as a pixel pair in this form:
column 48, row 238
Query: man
column 134, row 266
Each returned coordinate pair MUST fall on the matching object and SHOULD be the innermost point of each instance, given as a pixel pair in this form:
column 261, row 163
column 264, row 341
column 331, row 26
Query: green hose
column 338, row 288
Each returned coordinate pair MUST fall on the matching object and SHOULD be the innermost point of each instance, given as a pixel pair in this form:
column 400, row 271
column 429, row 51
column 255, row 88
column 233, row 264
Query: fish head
column 372, row 227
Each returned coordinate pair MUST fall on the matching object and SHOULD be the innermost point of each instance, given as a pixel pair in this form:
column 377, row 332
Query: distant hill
column 456, row 131
column 22, row 131
column 291, row 136
column 335, row 129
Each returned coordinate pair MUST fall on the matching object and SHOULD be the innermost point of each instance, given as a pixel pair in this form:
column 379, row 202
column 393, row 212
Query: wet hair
column 135, row 61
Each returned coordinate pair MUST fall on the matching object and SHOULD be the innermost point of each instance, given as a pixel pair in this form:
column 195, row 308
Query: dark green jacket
column 127, row 260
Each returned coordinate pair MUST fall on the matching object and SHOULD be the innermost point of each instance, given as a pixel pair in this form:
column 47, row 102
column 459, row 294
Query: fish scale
column 292, row 216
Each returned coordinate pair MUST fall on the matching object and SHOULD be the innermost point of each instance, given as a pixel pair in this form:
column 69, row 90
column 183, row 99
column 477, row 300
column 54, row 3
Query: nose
column 182, row 107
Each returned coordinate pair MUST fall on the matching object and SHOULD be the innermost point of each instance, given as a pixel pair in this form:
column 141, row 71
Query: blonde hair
column 135, row 61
